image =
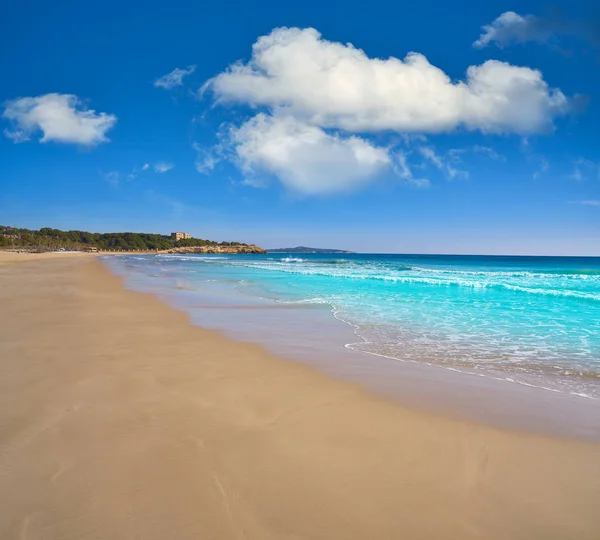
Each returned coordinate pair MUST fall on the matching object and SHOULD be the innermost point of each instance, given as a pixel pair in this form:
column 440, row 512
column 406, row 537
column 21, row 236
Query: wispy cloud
column 173, row 79
column 112, row 178
column 582, row 167
column 442, row 164
column 404, row 171
column 544, row 166
column 510, row 28
column 429, row 153
column 489, row 152
column 177, row 207
column 163, row 167
column 455, row 154
column 456, row 173
column 587, row 203
column 207, row 158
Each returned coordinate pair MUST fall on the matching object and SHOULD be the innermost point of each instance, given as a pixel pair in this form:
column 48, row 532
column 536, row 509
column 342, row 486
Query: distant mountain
column 304, row 249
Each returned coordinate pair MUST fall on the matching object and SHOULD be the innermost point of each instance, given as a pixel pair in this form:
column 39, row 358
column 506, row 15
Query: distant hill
column 304, row 249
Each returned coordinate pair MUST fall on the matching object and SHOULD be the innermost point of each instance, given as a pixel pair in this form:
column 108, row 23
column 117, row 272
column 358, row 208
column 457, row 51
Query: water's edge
column 334, row 349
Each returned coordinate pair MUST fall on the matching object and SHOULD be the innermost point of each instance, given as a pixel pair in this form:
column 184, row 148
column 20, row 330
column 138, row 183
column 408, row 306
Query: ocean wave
column 538, row 274
column 448, row 280
column 317, row 300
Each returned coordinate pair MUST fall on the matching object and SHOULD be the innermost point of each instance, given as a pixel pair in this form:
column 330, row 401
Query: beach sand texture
column 120, row 420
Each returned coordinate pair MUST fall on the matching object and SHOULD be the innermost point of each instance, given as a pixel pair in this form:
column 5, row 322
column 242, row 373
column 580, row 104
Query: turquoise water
column 529, row 320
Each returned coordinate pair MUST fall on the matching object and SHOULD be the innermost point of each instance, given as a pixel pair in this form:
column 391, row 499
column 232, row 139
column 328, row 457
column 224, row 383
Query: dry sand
column 119, row 420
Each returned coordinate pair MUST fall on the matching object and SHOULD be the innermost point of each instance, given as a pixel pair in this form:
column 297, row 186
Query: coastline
column 119, row 418
column 315, row 334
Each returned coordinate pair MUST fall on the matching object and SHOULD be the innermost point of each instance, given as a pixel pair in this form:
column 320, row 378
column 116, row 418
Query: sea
column 528, row 321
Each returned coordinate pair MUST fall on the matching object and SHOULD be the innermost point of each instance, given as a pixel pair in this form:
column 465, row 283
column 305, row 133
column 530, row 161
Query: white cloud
column 455, row 156
column 333, row 85
column 163, row 167
column 576, row 175
column 429, row 153
column 587, row 203
column 510, row 28
column 145, row 166
column 456, row 173
column 544, row 166
column 207, row 159
column 60, row 117
column 305, row 158
column 580, row 165
column 489, row 152
column 112, row 177
column 173, row 79
column 16, row 136
column 404, row 171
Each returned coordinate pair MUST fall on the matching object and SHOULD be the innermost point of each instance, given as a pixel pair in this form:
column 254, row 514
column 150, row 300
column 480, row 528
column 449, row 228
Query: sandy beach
column 120, row 420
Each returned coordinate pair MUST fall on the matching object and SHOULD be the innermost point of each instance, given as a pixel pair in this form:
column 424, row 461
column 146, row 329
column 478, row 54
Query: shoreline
column 315, row 335
column 118, row 418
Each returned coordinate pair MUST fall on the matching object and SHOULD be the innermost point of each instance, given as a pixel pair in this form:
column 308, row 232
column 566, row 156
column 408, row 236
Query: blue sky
column 161, row 116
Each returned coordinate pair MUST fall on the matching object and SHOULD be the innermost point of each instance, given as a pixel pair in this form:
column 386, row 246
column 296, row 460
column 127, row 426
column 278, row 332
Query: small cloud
column 17, row 136
column 544, row 166
column 452, row 173
column 403, row 171
column 409, row 138
column 207, row 159
column 173, row 79
column 587, row 203
column 259, row 183
column 112, row 177
column 429, row 153
column 456, row 173
column 163, row 167
column 576, row 175
column 455, row 153
column 489, row 152
column 61, row 118
column 580, row 165
column 145, row 166
column 510, row 28
column 177, row 207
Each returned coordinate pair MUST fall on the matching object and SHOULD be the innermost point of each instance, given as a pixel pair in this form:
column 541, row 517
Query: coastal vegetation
column 48, row 239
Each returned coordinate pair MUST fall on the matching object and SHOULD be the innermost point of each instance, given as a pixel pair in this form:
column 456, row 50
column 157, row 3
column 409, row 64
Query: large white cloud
column 60, row 117
column 305, row 158
column 333, row 85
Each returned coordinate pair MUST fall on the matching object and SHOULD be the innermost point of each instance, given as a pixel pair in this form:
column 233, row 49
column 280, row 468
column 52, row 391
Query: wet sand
column 120, row 420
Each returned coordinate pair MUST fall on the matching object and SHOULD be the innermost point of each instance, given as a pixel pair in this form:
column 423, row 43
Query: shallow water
column 528, row 320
